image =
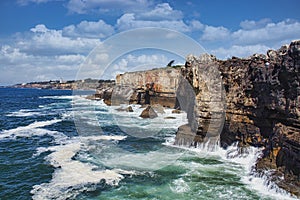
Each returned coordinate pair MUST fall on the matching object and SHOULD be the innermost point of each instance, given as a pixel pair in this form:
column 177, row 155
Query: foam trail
column 23, row 113
column 72, row 176
column 23, row 130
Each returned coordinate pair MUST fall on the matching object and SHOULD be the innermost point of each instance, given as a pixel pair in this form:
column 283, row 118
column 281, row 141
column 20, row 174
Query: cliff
column 156, row 86
column 257, row 98
column 252, row 101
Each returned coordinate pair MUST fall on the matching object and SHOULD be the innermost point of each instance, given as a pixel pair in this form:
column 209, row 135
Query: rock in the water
column 129, row 109
column 176, row 111
column 148, row 113
column 185, row 136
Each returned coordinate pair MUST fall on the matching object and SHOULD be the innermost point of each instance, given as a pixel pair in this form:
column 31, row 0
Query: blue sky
column 49, row 39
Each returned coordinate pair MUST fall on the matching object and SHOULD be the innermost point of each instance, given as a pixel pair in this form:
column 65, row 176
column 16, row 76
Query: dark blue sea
column 56, row 144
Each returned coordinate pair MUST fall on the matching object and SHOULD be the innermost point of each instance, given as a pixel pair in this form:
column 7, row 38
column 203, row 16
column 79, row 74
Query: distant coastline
column 85, row 84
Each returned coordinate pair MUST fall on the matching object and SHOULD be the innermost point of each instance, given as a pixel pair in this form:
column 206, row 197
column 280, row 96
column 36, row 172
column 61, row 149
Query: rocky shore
column 251, row 101
column 261, row 107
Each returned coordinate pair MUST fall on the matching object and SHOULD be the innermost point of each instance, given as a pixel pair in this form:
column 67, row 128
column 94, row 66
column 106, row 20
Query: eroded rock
column 148, row 113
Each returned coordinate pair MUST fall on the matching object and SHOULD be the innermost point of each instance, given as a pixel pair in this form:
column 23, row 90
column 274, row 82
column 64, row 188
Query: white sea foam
column 132, row 124
column 57, row 97
column 72, row 176
column 29, row 130
column 179, row 186
column 241, row 163
column 23, row 113
column 150, row 161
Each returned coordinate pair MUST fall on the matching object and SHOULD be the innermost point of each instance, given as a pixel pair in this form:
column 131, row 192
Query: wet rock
column 148, row 113
column 129, row 109
column 176, row 111
column 185, row 136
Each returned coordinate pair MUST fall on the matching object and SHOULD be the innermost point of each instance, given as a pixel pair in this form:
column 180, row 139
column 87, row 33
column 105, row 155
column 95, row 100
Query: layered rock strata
column 157, row 86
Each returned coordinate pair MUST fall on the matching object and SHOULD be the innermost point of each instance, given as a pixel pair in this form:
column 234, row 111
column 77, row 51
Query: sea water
column 110, row 154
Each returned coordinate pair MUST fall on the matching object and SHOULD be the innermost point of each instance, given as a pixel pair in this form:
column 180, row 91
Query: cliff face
column 261, row 106
column 157, row 86
column 163, row 80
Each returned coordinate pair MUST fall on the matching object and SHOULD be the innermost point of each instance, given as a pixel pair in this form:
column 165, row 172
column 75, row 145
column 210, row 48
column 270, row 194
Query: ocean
column 58, row 145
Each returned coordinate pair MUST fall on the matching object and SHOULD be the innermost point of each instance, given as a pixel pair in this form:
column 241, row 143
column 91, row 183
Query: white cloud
column 253, row 37
column 18, row 67
column 44, row 41
column 129, row 21
column 162, row 16
column 271, row 32
column 196, row 25
column 161, row 11
column 43, row 54
column 136, row 63
column 87, row 6
column 89, row 29
column 251, row 24
column 239, row 51
column 212, row 33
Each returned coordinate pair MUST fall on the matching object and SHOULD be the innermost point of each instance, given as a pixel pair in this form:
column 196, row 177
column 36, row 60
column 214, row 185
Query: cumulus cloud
column 161, row 11
column 253, row 37
column 129, row 21
column 271, row 32
column 132, row 62
column 162, row 16
column 212, row 33
column 18, row 67
column 44, row 41
column 43, row 54
column 196, row 25
column 89, row 29
column 86, row 6
column 251, row 24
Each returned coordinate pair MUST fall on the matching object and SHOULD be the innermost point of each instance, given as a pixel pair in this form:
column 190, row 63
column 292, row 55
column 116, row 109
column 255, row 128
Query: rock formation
column 148, row 112
column 157, row 86
column 253, row 101
column 259, row 99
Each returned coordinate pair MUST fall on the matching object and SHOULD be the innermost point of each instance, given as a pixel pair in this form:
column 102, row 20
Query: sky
column 43, row 40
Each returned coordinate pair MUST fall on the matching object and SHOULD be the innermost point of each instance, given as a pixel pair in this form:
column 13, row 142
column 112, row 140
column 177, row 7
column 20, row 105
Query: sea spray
column 246, row 158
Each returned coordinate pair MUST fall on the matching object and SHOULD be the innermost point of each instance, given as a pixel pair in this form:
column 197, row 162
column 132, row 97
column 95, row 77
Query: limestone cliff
column 260, row 105
column 156, row 86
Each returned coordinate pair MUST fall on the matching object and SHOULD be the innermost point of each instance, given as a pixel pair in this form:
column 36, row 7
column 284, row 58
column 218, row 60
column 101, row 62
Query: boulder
column 176, row 111
column 148, row 113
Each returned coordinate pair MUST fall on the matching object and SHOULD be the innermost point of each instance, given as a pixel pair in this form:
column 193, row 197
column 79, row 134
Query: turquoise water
column 108, row 154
